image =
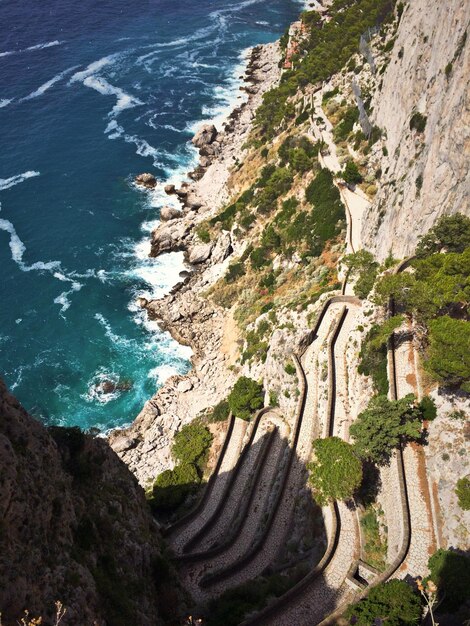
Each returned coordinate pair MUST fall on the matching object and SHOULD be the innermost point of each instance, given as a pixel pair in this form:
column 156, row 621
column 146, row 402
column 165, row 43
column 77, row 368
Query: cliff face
column 425, row 173
column 74, row 527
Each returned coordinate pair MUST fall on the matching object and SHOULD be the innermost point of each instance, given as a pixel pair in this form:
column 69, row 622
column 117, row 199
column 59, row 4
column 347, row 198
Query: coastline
column 209, row 330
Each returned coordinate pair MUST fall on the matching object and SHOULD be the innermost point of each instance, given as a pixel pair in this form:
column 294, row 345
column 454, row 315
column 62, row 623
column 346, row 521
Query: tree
column 191, row 443
column 351, row 174
column 362, row 265
column 220, row 412
column 462, row 491
column 450, row 571
column 246, row 396
column 383, row 425
column 336, row 472
column 449, row 351
column 172, row 487
column 451, row 233
column 393, row 603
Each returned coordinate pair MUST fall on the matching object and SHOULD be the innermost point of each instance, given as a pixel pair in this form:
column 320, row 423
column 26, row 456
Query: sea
column 92, row 94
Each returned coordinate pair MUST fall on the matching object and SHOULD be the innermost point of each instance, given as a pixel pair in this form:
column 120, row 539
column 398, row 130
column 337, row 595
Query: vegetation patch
column 246, row 397
column 384, row 425
column 336, row 472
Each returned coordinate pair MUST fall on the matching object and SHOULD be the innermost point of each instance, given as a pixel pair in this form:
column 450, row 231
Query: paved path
column 179, row 539
column 422, row 533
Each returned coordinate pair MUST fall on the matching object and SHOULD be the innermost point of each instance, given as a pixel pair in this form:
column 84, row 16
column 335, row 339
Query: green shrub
column 362, row 265
column 246, row 397
column 449, row 354
column 191, row 443
column 290, row 369
column 234, row 271
column 418, row 122
column 220, row 412
column 451, row 233
column 384, row 425
column 259, row 258
column 393, row 603
column 344, row 128
column 172, row 487
column 450, row 571
column 203, row 233
column 328, row 208
column 462, row 490
column 336, row 471
column 428, row 408
column 351, row 174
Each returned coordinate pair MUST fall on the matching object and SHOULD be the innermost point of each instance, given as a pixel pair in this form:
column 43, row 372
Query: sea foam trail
column 6, row 183
column 44, row 87
column 39, row 46
column 90, row 79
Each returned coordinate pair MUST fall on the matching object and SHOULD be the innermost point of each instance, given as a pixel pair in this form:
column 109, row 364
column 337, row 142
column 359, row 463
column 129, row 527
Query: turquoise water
column 89, row 97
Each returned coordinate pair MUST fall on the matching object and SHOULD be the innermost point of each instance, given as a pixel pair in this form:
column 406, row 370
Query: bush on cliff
column 328, row 210
column 449, row 351
column 172, row 487
column 336, row 472
column 191, row 443
column 220, row 412
column 246, row 397
column 364, row 268
column 450, row 571
column 451, row 233
column 393, row 603
column 462, row 490
column 384, row 425
column 351, row 174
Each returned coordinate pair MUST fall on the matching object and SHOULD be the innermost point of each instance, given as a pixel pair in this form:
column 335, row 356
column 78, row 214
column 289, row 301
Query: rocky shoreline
column 191, row 319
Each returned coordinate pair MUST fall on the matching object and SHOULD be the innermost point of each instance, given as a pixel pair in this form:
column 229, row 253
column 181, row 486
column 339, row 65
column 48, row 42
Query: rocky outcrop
column 168, row 213
column 425, row 173
column 205, row 135
column 200, row 253
column 75, row 527
column 146, row 180
column 170, row 236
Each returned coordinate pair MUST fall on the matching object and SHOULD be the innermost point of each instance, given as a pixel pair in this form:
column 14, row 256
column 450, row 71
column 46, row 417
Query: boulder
column 184, row 385
column 169, row 237
column 122, row 443
column 205, row 135
column 168, row 213
column 146, row 180
column 142, row 302
column 169, row 189
column 222, row 249
column 199, row 254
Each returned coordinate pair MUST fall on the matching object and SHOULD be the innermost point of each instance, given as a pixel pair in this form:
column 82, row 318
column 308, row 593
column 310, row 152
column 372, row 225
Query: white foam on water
column 6, row 183
column 44, row 87
column 62, row 298
column 95, row 392
column 4, row 102
column 94, row 67
column 48, row 44
column 162, row 373
column 123, row 99
column 18, row 249
column 39, row 46
column 227, row 98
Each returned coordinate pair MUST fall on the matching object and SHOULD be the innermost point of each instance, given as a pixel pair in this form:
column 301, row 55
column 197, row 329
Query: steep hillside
column 425, row 173
column 75, row 528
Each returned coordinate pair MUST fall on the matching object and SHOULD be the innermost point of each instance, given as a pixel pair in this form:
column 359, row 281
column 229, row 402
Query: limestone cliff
column 425, row 174
column 74, row 527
